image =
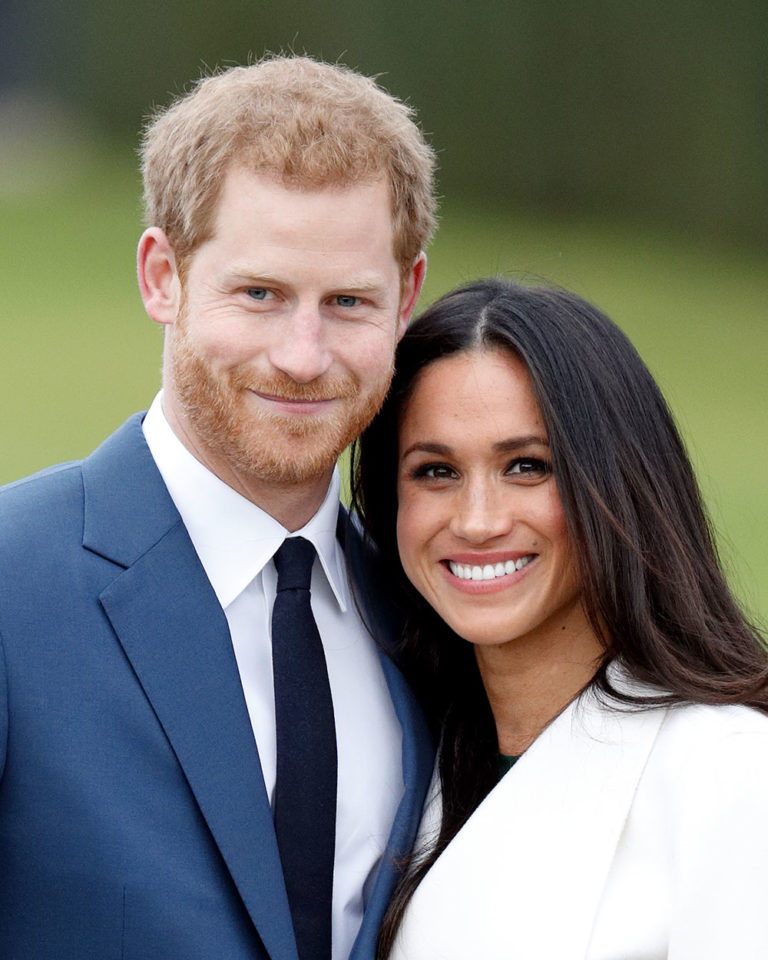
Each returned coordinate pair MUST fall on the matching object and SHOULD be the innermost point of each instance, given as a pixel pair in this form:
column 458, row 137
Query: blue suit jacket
column 134, row 822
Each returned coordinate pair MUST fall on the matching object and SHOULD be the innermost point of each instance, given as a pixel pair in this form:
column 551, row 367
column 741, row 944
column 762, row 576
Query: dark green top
column 506, row 763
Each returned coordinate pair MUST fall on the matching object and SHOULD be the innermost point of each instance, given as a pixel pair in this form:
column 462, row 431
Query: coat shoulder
column 708, row 730
column 711, row 760
column 43, row 514
column 33, row 508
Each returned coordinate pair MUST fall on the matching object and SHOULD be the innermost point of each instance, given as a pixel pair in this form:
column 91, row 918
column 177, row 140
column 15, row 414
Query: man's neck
column 294, row 506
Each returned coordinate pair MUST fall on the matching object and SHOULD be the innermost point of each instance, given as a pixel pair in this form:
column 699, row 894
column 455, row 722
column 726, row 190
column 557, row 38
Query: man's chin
column 275, row 448
column 297, row 428
column 291, row 457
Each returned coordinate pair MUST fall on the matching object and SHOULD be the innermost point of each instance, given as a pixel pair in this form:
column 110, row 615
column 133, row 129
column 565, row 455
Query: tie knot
column 294, row 562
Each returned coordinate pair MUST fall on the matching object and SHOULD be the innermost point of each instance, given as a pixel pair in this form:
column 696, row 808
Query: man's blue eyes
column 261, row 293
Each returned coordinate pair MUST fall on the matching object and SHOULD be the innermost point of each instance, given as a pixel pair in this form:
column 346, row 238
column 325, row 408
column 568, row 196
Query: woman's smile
column 485, row 574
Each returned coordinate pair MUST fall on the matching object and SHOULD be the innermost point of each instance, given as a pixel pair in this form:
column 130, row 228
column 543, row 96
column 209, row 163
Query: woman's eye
column 344, row 300
column 435, row 471
column 529, row 466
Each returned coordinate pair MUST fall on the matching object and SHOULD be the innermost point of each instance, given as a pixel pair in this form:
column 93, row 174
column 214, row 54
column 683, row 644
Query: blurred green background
column 616, row 148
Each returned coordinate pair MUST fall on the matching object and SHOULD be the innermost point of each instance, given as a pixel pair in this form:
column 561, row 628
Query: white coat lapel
column 525, row 875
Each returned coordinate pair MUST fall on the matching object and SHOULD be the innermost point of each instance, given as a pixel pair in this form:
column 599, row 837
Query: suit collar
column 127, row 508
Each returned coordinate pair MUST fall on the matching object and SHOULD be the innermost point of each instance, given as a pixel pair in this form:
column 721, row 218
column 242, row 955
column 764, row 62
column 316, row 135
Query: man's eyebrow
column 249, row 275
column 503, row 446
column 362, row 283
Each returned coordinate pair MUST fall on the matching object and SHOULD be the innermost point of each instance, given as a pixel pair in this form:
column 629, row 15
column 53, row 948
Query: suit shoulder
column 34, row 500
column 41, row 531
column 42, row 500
column 40, row 479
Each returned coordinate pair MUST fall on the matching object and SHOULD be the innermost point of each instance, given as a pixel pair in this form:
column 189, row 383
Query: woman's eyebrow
column 515, row 443
column 502, row 446
column 440, row 449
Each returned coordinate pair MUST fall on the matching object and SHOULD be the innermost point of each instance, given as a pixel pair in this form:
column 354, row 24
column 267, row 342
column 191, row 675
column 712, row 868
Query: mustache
column 283, row 386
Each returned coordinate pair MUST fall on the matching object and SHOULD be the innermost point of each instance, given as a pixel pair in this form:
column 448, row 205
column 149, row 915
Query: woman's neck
column 530, row 680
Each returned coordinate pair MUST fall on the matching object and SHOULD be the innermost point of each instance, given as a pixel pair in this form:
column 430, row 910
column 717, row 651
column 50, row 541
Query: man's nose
column 302, row 350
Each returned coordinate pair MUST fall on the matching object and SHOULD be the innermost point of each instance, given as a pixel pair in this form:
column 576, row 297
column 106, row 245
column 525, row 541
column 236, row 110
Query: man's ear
column 158, row 276
column 411, row 291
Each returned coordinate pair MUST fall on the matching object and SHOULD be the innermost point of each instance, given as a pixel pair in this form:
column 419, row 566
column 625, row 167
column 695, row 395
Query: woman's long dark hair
column 652, row 584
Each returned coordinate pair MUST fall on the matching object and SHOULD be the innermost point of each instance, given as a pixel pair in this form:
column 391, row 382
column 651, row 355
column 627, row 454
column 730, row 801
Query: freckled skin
column 279, row 346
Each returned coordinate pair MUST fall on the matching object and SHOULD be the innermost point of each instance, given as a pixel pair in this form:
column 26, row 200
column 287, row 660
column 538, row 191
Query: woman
column 527, row 488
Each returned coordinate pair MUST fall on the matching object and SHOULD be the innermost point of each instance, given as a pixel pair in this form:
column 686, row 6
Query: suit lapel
column 525, row 875
column 417, row 747
column 418, row 759
column 175, row 635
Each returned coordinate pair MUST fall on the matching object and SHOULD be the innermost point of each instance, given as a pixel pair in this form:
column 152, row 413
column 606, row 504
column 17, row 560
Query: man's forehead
column 239, row 171
column 331, row 218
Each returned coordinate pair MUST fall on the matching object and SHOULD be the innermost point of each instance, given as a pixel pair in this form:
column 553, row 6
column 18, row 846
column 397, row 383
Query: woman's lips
column 487, row 573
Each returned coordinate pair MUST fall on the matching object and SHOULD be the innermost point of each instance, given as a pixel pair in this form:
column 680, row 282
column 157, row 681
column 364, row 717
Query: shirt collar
column 233, row 537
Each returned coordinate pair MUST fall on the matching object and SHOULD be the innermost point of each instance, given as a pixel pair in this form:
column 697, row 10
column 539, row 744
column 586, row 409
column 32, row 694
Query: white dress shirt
column 236, row 541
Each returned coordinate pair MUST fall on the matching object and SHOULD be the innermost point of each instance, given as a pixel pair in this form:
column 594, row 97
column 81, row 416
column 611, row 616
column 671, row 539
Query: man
column 159, row 778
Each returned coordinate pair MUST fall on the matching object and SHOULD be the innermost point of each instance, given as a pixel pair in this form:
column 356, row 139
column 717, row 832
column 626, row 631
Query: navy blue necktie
column 305, row 791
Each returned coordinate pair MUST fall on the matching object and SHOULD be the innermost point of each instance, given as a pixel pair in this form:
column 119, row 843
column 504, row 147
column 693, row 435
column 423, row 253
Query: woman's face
column 480, row 527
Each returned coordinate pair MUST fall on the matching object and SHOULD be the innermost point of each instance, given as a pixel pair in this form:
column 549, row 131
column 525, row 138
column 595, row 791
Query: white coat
column 617, row 836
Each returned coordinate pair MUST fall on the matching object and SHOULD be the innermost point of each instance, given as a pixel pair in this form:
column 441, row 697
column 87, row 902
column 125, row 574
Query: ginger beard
column 219, row 407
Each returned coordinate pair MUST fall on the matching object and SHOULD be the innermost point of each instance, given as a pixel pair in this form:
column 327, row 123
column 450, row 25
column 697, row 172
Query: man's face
column 283, row 347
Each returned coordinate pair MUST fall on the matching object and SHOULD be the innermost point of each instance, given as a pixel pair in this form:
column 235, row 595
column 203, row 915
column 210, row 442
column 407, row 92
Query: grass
column 80, row 354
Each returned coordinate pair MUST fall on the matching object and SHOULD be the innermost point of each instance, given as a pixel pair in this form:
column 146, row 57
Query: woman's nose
column 481, row 514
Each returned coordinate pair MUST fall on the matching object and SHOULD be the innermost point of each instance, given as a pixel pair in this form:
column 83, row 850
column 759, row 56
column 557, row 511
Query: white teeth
column 490, row 571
